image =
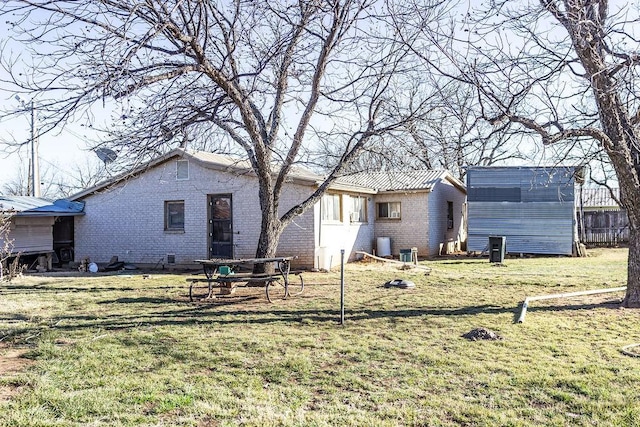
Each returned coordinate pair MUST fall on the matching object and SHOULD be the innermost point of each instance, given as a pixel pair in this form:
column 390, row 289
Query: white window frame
column 359, row 209
column 182, row 173
column 328, row 207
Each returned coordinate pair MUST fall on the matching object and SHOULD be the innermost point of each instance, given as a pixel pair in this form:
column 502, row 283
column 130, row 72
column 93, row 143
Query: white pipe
column 392, row 260
column 525, row 304
column 626, row 350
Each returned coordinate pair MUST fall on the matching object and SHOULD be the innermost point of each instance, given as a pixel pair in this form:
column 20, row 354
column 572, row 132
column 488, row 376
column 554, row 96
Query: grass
column 122, row 350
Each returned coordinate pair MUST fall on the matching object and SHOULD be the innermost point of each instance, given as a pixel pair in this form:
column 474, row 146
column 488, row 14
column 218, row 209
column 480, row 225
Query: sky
column 60, row 150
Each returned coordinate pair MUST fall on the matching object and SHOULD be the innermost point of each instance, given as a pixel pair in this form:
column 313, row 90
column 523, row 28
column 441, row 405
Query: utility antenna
column 107, row 155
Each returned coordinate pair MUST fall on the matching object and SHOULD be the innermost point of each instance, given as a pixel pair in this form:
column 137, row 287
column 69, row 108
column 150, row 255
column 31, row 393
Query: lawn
column 125, row 350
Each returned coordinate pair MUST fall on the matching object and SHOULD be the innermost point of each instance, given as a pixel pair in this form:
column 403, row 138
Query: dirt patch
column 12, row 361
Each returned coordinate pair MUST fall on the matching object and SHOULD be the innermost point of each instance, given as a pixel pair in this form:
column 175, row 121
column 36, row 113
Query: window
column 331, row 207
column 182, row 170
column 174, row 215
column 390, row 210
column 495, row 194
column 358, row 209
column 449, row 215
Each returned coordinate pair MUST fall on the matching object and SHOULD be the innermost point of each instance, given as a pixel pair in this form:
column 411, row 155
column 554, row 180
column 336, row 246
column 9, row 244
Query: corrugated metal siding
column 541, row 222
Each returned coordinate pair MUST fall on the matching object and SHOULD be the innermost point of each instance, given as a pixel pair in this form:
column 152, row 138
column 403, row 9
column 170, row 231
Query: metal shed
column 534, row 207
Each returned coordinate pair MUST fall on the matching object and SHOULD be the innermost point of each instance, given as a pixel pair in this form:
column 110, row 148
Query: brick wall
column 128, row 221
column 412, row 229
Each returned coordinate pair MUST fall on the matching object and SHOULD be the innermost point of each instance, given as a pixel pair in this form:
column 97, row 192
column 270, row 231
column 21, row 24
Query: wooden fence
column 608, row 227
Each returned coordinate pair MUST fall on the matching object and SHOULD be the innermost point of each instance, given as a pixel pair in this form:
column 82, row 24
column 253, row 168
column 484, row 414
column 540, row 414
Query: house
column 39, row 227
column 189, row 205
column 420, row 208
column 601, row 220
column 533, row 207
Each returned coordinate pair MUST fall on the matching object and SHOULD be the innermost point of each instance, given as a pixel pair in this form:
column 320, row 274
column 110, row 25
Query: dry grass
column 123, row 350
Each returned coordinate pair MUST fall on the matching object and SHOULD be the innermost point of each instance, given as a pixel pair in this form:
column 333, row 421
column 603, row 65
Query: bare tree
column 454, row 136
column 81, row 176
column 19, row 184
column 260, row 78
column 7, row 272
column 57, row 182
column 565, row 70
column 451, row 134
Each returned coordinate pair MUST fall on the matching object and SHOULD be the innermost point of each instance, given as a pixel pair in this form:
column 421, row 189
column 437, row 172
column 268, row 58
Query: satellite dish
column 106, row 154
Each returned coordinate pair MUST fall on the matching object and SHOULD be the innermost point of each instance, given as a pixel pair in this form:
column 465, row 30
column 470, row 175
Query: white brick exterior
column 412, row 228
column 423, row 220
column 127, row 220
column 450, row 238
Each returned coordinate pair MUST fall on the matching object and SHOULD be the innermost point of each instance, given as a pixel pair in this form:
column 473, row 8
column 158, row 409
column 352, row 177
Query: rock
column 400, row 283
column 482, row 334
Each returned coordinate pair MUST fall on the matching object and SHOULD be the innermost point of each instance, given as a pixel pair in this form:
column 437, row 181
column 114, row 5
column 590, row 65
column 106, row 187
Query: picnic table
column 227, row 274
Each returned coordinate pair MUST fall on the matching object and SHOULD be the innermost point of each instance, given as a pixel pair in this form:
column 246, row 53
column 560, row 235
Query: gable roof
column 409, row 180
column 205, row 159
column 37, row 206
column 377, row 181
column 228, row 163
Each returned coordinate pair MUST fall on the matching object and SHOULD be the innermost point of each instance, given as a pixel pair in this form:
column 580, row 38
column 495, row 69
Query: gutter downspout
column 317, row 248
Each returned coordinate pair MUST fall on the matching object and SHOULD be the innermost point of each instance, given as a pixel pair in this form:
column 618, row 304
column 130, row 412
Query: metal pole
column 342, row 286
column 35, row 164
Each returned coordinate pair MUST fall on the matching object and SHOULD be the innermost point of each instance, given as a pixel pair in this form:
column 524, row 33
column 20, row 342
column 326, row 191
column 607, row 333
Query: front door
column 220, row 226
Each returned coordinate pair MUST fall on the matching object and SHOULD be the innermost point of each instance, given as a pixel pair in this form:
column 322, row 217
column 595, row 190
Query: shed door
column 220, row 226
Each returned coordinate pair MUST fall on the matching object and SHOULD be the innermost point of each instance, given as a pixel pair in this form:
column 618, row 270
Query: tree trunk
column 622, row 149
column 270, row 231
column 622, row 156
column 632, row 298
column 267, row 247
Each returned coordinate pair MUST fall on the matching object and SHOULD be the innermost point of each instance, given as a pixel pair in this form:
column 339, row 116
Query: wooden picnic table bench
column 276, row 284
